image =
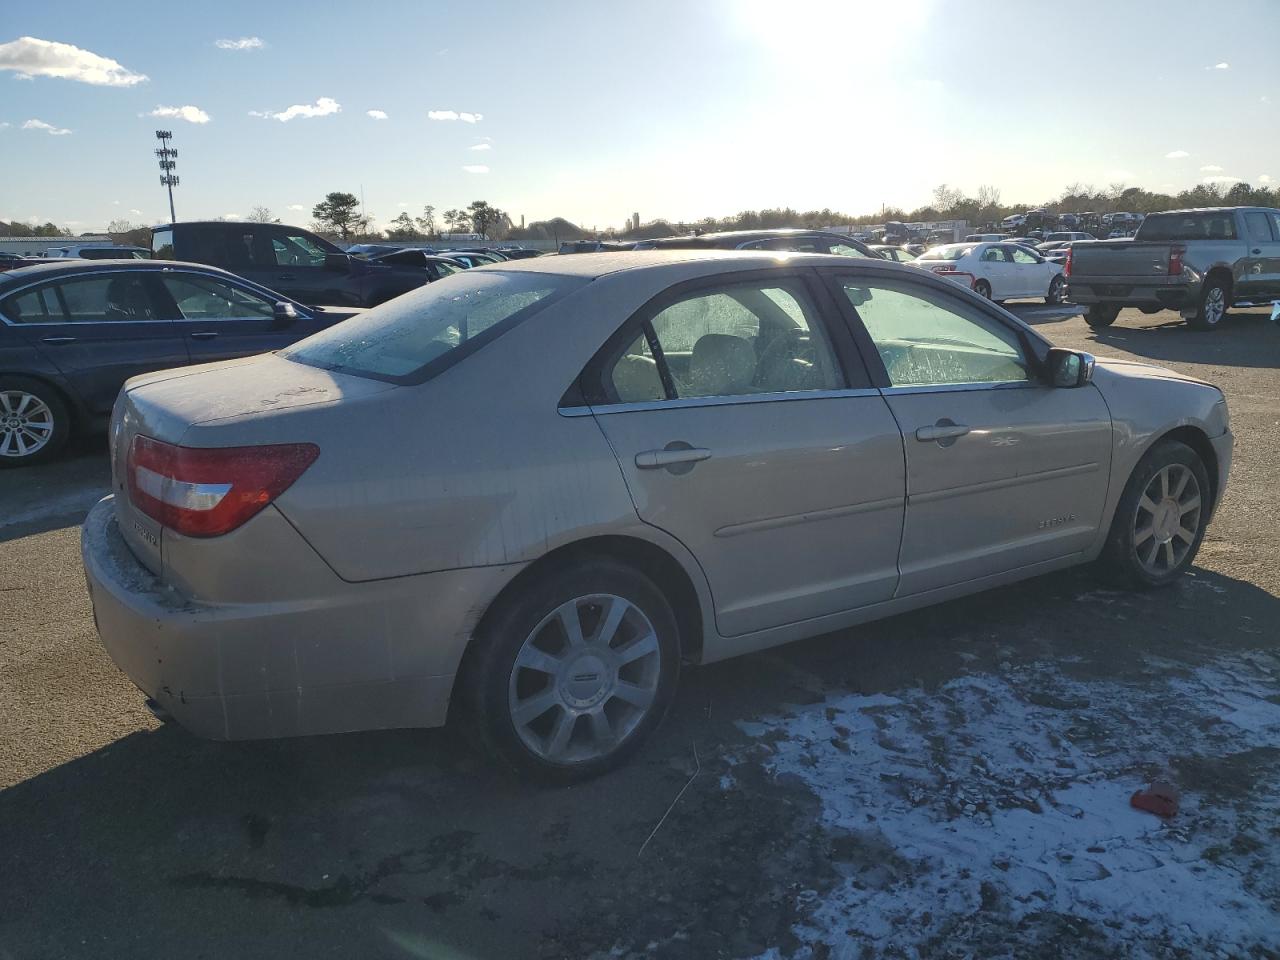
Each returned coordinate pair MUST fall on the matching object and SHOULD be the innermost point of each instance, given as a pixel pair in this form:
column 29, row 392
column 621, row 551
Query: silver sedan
column 524, row 496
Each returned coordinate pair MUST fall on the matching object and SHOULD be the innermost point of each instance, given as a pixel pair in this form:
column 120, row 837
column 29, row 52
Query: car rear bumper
column 1134, row 291
column 362, row 656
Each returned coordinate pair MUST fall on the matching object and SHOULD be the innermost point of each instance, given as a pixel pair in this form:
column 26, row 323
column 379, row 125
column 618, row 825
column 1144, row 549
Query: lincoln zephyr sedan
column 522, row 497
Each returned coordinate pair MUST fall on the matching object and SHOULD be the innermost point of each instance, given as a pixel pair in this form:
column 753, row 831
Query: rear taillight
column 943, row 269
column 209, row 491
column 1066, row 264
column 1175, row 260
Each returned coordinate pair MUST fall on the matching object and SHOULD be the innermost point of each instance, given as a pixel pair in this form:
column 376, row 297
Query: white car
column 998, row 271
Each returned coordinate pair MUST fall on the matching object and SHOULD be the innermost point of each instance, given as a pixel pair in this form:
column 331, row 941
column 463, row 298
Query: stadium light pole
column 168, row 163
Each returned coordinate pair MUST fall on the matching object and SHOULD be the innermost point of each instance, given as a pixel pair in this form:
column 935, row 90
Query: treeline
column 20, row 229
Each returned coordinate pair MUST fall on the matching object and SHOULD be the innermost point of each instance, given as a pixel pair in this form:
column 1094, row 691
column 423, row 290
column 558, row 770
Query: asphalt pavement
column 799, row 772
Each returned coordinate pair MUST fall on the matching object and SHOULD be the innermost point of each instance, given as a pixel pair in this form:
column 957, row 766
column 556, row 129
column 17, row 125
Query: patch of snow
column 1001, row 800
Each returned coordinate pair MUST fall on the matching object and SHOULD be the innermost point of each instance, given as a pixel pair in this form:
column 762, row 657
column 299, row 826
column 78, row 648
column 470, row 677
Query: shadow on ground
column 1245, row 339
column 404, row 845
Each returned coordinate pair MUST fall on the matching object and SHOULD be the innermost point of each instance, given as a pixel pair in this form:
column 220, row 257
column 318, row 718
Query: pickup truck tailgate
column 1120, row 259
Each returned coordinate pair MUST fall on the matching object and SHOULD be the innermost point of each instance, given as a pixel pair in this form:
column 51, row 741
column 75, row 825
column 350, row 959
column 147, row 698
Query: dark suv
column 301, row 265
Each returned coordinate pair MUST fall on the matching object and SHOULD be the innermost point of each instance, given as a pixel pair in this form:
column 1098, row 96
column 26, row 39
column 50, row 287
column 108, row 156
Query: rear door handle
column 941, row 431
column 203, row 335
column 653, row 459
column 58, row 340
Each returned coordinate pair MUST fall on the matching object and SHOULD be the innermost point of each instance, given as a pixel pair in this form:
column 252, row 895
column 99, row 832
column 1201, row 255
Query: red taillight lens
column 209, row 491
column 1175, row 260
column 1066, row 265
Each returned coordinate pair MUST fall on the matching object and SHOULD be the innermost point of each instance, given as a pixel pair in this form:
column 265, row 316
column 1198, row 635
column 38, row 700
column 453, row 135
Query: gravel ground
column 951, row 782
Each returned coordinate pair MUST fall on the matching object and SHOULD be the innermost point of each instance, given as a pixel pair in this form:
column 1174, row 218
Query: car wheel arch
column 1195, row 438
column 672, row 576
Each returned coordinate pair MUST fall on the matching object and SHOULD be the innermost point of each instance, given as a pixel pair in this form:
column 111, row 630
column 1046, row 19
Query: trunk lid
column 165, row 406
column 1119, row 258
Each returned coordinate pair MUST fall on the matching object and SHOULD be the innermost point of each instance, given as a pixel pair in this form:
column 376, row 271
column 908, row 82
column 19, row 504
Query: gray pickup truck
column 1198, row 262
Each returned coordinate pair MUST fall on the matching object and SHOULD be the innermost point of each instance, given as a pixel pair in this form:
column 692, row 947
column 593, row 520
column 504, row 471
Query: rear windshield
column 414, row 337
column 952, row 251
column 1189, row 226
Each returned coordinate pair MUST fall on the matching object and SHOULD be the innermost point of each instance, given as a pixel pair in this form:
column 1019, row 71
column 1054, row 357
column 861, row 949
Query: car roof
column 68, row 268
column 593, row 265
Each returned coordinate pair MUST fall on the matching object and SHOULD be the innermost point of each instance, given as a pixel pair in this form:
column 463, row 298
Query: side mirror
column 283, row 314
column 337, row 262
column 1069, row 368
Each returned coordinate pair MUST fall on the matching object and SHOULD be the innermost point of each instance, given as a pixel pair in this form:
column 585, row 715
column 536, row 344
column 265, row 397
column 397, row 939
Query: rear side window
column 162, row 245
column 1189, row 226
column 413, row 337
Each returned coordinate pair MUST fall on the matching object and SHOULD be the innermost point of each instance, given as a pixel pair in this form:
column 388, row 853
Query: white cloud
column 231, row 216
column 4, row 124
column 115, row 203
column 1265, row 178
column 321, row 108
column 1264, row 99
column 1176, row 155
column 402, row 204
column 475, row 168
column 188, row 113
column 48, row 128
column 481, row 146
column 1223, row 180
column 135, row 211
column 454, row 115
column 1211, row 168
column 297, row 206
column 243, row 43
column 377, row 114
column 31, row 57
column 1220, row 66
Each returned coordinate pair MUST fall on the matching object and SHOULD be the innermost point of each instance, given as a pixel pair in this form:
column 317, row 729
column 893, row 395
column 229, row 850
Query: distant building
column 36, row 246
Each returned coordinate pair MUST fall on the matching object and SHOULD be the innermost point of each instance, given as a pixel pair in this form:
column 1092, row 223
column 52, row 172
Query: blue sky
column 594, row 110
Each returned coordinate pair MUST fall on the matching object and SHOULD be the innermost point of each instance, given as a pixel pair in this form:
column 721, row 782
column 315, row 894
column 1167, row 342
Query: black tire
column 982, row 289
column 1057, row 290
column 490, row 677
column 1120, row 562
column 1101, row 315
column 1151, row 310
column 19, row 426
column 1211, row 310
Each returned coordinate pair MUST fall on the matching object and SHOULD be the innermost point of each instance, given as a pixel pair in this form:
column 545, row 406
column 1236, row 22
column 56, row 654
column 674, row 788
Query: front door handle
column 942, row 431
column 653, row 459
column 203, row 335
column 58, row 340
column 286, row 276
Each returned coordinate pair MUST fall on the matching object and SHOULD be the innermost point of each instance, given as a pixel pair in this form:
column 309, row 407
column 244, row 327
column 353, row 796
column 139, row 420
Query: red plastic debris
column 1161, row 798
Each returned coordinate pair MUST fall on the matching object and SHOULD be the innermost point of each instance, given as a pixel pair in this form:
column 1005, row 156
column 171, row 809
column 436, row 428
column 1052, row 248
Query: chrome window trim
column 725, row 401
column 248, row 286
column 960, row 387
column 209, row 276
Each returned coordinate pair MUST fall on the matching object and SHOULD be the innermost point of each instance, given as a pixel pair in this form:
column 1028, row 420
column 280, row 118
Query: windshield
column 1219, row 225
column 413, row 337
column 951, row 251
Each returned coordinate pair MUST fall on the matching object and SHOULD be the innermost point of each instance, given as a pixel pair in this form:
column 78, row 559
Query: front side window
column 1024, row 256
column 410, row 338
column 1258, row 227
column 295, row 250
column 737, row 341
column 924, row 338
column 204, row 298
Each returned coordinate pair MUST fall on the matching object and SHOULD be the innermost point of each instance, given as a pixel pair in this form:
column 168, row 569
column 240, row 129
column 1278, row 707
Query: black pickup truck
column 294, row 261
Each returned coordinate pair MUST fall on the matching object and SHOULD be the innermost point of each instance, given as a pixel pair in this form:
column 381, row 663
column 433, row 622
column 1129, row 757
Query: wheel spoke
column 636, row 649
column 1185, row 535
column 632, row 694
column 44, row 427
column 1185, row 508
column 1147, row 504
column 612, row 620
column 26, row 401
column 6, row 400
column 571, row 622
column 601, row 729
column 526, row 711
column 1168, row 554
column 1184, row 476
column 1164, row 483
column 1143, row 535
column 561, row 733
column 1150, row 560
column 532, row 658
column 6, row 446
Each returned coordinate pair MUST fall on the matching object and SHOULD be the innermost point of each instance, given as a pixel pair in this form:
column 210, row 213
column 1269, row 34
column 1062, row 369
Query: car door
column 220, row 319
column 1031, row 275
column 1003, row 471
column 301, row 273
column 99, row 329
column 741, row 433
column 1260, row 279
column 994, row 267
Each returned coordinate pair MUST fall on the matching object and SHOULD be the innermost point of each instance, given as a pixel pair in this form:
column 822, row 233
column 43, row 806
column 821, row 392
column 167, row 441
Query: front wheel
column 1057, row 290
column 1160, row 520
column 1101, row 315
column 1212, row 307
column 34, row 421
column 574, row 671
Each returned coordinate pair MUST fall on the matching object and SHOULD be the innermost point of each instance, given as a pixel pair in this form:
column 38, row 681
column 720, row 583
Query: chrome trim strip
column 729, row 401
column 831, row 513
column 1000, row 484
column 961, row 387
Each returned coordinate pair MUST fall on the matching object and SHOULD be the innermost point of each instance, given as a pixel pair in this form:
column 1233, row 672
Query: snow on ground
column 991, row 817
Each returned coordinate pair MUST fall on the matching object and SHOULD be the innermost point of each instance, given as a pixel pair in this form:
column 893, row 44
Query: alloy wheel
column 584, row 679
column 1215, row 305
column 26, row 424
column 1167, row 520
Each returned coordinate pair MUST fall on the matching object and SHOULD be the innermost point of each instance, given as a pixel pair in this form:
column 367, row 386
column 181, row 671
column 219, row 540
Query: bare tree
column 262, row 214
column 988, row 199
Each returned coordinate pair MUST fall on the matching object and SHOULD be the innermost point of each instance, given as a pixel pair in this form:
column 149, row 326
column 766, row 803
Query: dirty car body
column 777, row 445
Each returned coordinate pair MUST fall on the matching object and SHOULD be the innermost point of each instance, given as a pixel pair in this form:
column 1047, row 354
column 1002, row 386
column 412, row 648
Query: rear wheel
column 982, row 289
column 1212, row 307
column 1057, row 290
column 574, row 670
column 1101, row 315
column 1160, row 520
column 34, row 421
